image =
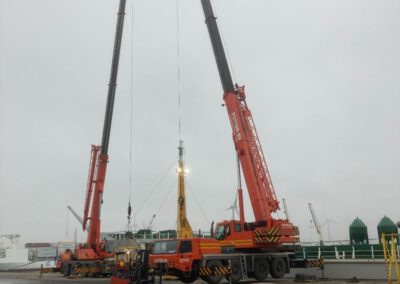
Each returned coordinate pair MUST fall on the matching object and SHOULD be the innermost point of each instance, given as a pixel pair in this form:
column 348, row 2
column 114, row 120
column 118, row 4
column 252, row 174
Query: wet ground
column 33, row 277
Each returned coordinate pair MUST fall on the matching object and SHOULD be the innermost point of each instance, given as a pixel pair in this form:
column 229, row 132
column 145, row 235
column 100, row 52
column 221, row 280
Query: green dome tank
column 358, row 233
column 386, row 226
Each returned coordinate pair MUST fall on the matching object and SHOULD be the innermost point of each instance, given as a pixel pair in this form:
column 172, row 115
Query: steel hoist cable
column 131, row 106
column 178, row 61
column 198, row 203
column 156, row 186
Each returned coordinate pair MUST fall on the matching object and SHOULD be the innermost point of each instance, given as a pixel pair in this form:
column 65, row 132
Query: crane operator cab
column 221, row 232
column 228, row 230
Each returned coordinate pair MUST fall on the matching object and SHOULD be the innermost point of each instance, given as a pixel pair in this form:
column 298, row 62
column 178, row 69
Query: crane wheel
column 215, row 278
column 236, row 271
column 66, row 270
column 278, row 267
column 188, row 278
column 261, row 269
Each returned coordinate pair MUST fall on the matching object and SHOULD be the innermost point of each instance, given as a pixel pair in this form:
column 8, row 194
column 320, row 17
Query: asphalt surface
column 33, row 277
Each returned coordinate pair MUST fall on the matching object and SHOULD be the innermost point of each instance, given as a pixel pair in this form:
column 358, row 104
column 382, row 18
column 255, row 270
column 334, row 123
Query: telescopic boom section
column 258, row 181
column 97, row 172
column 220, row 57
column 94, row 156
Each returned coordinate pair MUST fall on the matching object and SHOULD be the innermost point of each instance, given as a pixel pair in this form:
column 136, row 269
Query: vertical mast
column 183, row 228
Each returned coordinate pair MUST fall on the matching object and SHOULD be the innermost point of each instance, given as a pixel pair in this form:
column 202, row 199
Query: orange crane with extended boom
column 266, row 231
column 93, row 257
column 248, row 249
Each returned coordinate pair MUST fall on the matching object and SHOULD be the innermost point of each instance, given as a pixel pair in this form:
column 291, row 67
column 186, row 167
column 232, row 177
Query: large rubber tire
column 66, row 270
column 278, row 267
column 61, row 269
column 188, row 278
column 261, row 269
column 236, row 271
column 216, row 278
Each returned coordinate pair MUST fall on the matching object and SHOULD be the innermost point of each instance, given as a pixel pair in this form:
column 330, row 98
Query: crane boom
column 219, row 53
column 113, row 79
column 151, row 222
column 76, row 215
column 317, row 225
column 95, row 251
column 286, row 209
column 247, row 144
column 99, row 156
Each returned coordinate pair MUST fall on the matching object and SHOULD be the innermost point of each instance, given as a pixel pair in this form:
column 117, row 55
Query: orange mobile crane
column 266, row 231
column 93, row 257
column 246, row 249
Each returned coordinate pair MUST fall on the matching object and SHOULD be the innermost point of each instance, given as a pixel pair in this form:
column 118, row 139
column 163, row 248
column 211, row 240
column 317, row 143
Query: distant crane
column 79, row 219
column 76, row 215
column 286, row 209
column 316, row 224
column 151, row 221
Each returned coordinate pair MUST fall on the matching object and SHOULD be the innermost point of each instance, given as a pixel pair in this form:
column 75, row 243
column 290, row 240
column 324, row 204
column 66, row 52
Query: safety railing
column 374, row 251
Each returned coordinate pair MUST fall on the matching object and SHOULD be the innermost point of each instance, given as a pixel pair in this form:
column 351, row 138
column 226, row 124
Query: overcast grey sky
column 322, row 80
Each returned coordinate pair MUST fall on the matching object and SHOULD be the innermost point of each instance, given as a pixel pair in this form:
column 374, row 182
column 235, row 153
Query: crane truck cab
column 231, row 230
column 212, row 260
column 234, row 235
column 252, row 235
column 188, row 259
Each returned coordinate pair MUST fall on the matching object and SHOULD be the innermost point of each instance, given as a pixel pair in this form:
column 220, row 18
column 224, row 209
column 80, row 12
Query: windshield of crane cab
column 220, row 233
column 165, row 247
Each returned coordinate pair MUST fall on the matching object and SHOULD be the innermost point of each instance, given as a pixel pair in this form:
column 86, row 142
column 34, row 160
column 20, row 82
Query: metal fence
column 374, row 251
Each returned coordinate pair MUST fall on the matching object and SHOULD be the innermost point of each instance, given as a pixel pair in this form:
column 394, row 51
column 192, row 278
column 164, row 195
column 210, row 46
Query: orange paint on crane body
column 255, row 171
column 179, row 256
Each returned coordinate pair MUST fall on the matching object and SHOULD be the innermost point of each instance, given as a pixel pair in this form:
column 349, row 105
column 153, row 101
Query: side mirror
column 212, row 230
